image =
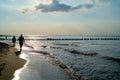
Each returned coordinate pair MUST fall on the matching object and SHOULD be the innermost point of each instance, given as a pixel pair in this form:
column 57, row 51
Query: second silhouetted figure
column 14, row 40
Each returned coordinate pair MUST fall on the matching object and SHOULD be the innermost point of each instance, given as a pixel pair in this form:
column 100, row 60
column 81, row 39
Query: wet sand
column 9, row 62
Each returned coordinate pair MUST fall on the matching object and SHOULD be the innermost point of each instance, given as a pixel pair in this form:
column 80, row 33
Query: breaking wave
column 112, row 58
column 85, row 53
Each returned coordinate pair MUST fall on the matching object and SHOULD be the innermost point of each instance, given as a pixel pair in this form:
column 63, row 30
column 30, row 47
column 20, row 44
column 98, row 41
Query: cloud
column 25, row 10
column 57, row 6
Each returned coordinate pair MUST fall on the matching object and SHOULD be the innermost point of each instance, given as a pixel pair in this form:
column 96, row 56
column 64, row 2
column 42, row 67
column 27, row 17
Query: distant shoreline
column 50, row 39
column 10, row 60
column 65, row 37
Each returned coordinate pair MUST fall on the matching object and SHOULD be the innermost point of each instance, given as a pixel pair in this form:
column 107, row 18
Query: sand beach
column 9, row 62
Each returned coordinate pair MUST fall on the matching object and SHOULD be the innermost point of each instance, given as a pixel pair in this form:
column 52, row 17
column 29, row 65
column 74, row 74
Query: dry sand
column 9, row 62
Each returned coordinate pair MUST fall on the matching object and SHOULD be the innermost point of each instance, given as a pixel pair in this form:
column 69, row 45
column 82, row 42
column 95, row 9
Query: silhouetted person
column 21, row 41
column 14, row 40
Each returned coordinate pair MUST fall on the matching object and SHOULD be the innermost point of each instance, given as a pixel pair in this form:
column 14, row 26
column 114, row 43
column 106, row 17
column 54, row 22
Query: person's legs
column 13, row 43
column 21, row 46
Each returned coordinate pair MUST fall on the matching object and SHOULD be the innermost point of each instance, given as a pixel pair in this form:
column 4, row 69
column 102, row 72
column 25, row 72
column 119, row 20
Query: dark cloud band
column 56, row 6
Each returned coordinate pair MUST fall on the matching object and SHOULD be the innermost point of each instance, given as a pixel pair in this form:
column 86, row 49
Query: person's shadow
column 18, row 53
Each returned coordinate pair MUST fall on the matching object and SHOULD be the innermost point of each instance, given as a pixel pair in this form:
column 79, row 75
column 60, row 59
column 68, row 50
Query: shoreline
column 18, row 71
column 12, row 71
column 9, row 61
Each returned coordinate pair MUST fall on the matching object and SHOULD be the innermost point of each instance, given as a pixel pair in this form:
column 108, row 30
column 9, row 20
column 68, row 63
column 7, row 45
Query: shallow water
column 38, row 68
column 92, row 59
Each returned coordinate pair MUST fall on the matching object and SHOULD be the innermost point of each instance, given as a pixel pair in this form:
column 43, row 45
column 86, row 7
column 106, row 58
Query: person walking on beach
column 21, row 41
column 13, row 40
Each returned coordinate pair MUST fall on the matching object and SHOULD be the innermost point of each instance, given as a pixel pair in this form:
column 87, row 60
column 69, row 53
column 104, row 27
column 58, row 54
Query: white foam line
column 17, row 72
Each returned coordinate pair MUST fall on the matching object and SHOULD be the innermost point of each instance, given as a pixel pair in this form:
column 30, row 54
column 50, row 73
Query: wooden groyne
column 82, row 39
column 73, row 39
column 63, row 38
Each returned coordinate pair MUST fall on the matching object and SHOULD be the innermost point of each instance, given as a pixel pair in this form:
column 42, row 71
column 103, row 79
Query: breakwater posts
column 62, row 38
column 82, row 39
column 74, row 39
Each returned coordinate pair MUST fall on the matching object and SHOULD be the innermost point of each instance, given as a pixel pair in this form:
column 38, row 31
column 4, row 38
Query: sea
column 69, row 58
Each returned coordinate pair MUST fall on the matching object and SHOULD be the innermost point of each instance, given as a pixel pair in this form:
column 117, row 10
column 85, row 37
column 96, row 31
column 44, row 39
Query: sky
column 59, row 17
